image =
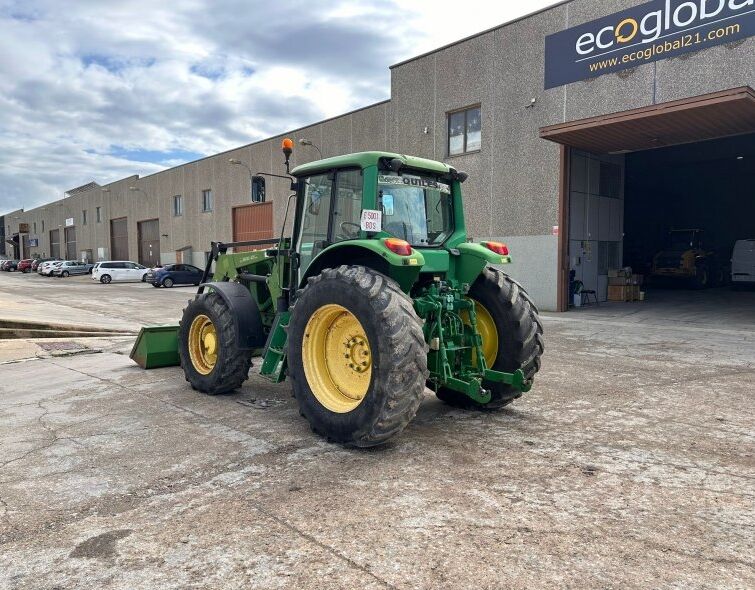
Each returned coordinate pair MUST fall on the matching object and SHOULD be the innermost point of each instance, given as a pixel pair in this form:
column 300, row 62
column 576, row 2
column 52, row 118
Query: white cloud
column 78, row 78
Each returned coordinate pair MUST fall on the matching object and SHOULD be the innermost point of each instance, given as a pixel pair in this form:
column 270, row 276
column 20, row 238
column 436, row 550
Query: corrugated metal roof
column 711, row 116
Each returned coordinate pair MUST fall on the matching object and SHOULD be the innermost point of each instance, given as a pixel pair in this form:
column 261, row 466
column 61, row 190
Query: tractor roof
column 367, row 159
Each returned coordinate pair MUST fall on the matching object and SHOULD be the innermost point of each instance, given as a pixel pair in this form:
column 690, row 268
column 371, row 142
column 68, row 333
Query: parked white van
column 743, row 262
column 118, row 270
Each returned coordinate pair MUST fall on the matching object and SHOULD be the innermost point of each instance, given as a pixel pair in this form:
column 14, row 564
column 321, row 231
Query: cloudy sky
column 101, row 89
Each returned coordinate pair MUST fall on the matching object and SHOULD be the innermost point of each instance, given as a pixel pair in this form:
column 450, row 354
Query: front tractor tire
column 702, row 277
column 208, row 346
column 512, row 337
column 357, row 356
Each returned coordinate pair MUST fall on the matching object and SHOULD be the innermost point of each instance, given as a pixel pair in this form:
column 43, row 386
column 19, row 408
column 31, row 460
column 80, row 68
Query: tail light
column 497, row 247
column 400, row 247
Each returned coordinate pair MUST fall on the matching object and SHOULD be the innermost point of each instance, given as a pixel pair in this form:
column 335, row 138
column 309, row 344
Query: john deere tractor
column 376, row 295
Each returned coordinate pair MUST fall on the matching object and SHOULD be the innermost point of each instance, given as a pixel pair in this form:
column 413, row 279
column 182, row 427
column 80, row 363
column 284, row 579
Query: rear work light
column 497, row 247
column 400, row 247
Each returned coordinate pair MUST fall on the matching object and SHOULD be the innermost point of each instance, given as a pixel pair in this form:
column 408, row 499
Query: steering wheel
column 354, row 230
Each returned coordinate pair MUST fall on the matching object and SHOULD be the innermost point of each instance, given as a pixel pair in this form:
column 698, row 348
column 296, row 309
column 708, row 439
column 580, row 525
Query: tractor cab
column 401, row 214
column 681, row 240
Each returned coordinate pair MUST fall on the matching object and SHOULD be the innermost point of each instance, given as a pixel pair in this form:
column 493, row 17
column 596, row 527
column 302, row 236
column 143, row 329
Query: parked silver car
column 72, row 267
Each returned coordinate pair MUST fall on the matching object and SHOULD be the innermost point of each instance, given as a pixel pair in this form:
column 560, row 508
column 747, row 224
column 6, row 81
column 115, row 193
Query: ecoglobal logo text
column 645, row 33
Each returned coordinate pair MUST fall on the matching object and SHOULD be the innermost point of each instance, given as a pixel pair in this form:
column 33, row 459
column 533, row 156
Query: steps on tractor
column 274, row 356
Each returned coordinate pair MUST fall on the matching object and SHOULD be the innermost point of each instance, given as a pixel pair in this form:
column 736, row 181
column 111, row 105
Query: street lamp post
column 235, row 162
column 310, row 143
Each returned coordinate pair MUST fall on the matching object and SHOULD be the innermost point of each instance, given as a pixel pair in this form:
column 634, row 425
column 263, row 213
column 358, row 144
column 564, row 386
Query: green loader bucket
column 156, row 346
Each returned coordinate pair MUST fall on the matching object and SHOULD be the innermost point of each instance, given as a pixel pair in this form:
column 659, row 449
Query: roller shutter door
column 55, row 243
column 70, row 236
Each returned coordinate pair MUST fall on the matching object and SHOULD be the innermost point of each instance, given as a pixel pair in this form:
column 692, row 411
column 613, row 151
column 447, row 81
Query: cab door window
column 347, row 209
column 315, row 223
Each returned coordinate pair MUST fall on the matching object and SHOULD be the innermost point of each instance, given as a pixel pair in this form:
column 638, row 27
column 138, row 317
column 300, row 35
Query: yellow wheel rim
column 337, row 358
column 486, row 328
column 203, row 344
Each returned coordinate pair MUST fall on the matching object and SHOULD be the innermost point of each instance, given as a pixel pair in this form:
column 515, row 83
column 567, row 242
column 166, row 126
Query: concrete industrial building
column 555, row 151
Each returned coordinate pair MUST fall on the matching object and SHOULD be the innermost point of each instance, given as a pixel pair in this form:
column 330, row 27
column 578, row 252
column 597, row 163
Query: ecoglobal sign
column 645, row 33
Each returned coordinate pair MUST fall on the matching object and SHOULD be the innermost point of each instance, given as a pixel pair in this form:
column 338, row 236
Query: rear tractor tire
column 357, row 356
column 208, row 346
column 512, row 334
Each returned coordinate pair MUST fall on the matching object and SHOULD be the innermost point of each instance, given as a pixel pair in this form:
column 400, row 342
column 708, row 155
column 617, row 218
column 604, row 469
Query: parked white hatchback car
column 743, row 263
column 118, row 270
column 46, row 268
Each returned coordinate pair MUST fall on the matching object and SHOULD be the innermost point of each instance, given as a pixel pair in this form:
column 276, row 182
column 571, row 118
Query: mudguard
column 246, row 314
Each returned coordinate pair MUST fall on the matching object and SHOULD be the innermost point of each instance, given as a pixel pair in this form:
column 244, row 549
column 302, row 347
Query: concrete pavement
column 629, row 465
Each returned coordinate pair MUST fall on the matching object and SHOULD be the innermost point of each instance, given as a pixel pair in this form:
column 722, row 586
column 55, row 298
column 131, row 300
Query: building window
column 178, row 205
column 98, row 212
column 207, row 200
column 43, row 225
column 84, row 217
column 464, row 131
column 35, row 227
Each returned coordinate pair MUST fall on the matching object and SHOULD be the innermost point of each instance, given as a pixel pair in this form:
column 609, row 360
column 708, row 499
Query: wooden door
column 149, row 242
column 119, row 239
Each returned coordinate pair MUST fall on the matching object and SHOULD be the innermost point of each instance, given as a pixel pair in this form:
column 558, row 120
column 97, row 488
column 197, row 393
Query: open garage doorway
column 667, row 191
column 685, row 208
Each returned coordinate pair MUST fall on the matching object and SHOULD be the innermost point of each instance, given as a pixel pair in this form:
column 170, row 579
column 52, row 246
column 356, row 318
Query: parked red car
column 24, row 265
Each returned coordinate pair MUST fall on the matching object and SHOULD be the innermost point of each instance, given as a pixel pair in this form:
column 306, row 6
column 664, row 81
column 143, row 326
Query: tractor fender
column 370, row 253
column 473, row 258
column 246, row 315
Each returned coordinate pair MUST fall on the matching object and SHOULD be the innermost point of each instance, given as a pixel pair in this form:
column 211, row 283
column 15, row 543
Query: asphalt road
column 629, row 465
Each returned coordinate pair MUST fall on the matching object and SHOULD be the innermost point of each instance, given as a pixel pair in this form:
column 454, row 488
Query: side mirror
column 314, row 206
column 258, row 189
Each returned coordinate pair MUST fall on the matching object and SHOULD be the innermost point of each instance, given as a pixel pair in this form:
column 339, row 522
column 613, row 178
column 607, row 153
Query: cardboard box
column 618, row 293
column 618, row 277
column 623, row 292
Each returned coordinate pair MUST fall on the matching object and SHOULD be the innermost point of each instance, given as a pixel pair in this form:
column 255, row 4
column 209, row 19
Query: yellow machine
column 686, row 259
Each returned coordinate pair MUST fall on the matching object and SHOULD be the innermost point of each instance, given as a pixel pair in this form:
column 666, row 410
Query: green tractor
column 376, row 295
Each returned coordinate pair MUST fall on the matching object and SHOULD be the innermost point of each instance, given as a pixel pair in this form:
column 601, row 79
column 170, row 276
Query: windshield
column 416, row 208
column 683, row 240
